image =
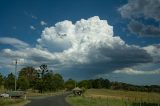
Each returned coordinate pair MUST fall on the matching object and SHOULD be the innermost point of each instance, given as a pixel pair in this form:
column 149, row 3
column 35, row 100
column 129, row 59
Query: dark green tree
column 10, row 82
column 58, row 80
column 70, row 84
column 23, row 83
column 85, row 84
column 39, row 85
column 41, row 80
column 52, row 82
column 48, row 82
column 1, row 80
column 30, row 74
column 100, row 83
column 43, row 70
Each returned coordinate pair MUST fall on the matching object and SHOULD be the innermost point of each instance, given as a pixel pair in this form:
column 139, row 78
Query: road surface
column 49, row 101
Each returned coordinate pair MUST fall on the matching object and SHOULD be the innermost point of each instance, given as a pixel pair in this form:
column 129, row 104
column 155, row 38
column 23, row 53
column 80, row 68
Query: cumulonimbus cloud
column 88, row 46
column 89, row 40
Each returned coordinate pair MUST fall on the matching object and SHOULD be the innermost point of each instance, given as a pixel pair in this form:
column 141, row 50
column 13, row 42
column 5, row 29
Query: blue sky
column 83, row 39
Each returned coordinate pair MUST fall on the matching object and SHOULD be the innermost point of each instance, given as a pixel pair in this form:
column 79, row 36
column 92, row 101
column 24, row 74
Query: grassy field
column 103, row 97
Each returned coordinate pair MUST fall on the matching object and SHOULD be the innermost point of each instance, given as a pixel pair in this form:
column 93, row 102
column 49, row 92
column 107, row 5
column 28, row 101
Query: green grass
column 8, row 101
column 103, row 97
column 85, row 101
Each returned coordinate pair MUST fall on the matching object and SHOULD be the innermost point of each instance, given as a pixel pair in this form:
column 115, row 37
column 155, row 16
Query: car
column 16, row 94
column 4, row 95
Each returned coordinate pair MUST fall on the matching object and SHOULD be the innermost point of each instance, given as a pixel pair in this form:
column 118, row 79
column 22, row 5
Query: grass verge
column 103, row 97
column 9, row 101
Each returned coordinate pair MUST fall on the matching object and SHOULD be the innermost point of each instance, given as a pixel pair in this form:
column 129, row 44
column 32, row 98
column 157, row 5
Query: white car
column 5, row 95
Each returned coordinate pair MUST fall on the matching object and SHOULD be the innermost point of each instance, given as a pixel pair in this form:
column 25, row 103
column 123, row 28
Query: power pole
column 15, row 74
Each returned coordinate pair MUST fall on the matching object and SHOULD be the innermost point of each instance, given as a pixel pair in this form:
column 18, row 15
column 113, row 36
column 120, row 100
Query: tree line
column 45, row 80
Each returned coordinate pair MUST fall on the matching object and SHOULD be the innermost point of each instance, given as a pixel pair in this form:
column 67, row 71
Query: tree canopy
column 44, row 80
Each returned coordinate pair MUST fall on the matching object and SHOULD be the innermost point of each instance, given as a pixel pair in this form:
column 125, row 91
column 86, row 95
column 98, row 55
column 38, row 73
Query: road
column 49, row 101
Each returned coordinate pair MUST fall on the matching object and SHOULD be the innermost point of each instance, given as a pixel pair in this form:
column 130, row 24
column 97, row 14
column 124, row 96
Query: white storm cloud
column 87, row 40
column 88, row 44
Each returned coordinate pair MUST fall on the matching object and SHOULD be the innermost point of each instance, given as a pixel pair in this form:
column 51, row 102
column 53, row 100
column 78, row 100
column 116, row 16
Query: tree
column 23, row 83
column 70, row 84
column 42, row 82
column 52, row 82
column 85, row 84
column 1, row 80
column 105, row 83
column 39, row 85
column 48, row 82
column 29, row 74
column 9, row 82
column 100, row 83
column 43, row 70
column 58, row 80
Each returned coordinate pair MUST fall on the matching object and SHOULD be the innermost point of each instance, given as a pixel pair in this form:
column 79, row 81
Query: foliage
column 58, row 81
column 100, row 83
column 30, row 74
column 9, row 82
column 52, row 82
column 70, row 84
column 105, row 83
column 45, row 80
column 23, row 83
column 85, row 84
column 42, row 79
column 43, row 70
column 130, row 87
column 1, row 80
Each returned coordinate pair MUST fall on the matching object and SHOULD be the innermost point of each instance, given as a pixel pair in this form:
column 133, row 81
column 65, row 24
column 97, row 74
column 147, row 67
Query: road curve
column 49, row 101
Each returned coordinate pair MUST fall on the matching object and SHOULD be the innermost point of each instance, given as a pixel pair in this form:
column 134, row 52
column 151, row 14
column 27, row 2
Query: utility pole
column 15, row 74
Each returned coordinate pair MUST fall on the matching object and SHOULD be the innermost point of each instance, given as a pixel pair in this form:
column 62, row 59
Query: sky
column 83, row 39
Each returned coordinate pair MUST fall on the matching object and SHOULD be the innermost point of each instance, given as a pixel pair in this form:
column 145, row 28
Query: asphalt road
column 49, row 101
